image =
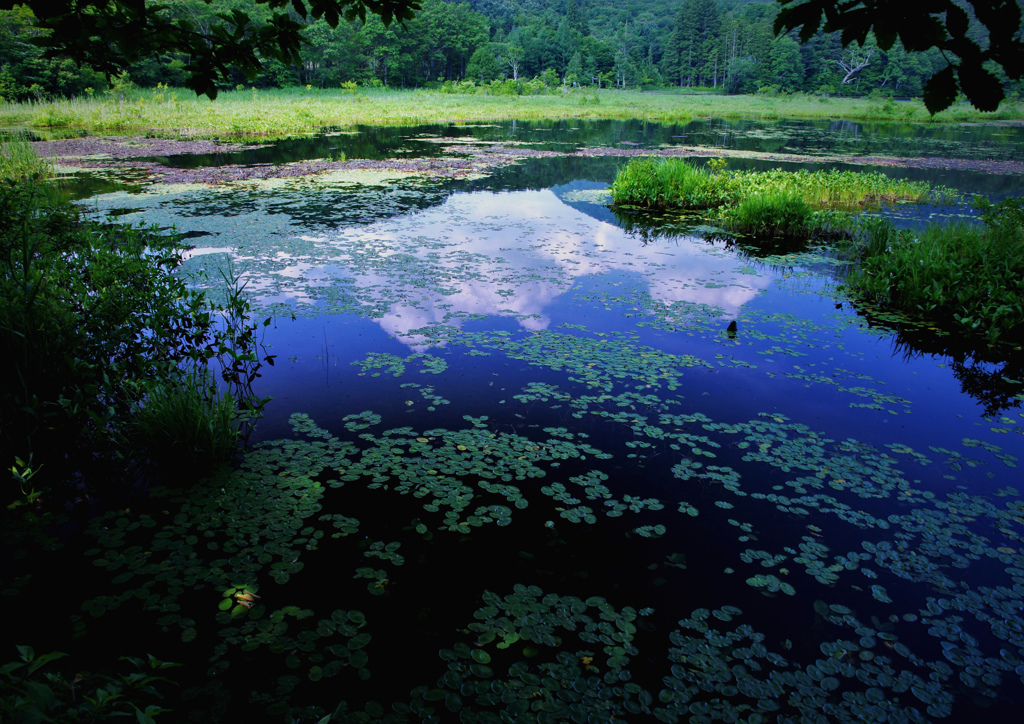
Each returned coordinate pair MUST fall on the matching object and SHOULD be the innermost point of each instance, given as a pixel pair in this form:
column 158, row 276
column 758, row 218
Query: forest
column 725, row 46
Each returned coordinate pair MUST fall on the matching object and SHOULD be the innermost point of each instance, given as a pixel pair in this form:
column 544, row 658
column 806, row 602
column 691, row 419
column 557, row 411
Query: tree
column 483, row 65
column 853, row 60
column 973, row 64
column 109, row 35
column 784, row 64
column 513, row 57
column 574, row 71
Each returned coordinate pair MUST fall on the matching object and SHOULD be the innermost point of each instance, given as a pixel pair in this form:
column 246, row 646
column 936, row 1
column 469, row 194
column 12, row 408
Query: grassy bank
column 762, row 203
column 178, row 113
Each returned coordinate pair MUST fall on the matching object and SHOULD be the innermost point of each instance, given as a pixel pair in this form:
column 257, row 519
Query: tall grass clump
column 675, row 183
column 670, row 183
column 19, row 161
column 186, row 423
column 777, row 213
column 761, row 203
column 964, row 276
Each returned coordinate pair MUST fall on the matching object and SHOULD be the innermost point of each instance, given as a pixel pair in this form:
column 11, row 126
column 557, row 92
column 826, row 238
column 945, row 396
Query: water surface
column 523, row 460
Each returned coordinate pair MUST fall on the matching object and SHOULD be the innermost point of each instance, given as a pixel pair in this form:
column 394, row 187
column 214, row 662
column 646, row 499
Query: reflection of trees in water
column 844, row 128
column 988, row 374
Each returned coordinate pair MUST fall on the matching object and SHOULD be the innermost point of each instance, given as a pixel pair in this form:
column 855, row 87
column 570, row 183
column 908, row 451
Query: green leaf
column 40, row 694
column 940, row 90
column 981, row 87
column 42, row 660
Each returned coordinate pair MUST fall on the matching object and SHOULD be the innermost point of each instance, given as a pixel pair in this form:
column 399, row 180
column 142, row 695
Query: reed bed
column 676, row 184
column 178, row 113
column 19, row 161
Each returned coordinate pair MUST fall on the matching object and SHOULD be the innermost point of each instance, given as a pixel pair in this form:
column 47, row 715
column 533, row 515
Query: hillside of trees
column 722, row 45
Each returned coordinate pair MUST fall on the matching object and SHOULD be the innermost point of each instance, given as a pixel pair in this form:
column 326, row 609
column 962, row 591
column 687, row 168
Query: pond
column 528, row 459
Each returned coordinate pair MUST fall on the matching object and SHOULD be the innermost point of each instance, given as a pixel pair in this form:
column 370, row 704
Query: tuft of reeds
column 669, row 183
column 20, row 162
column 772, row 203
column 185, row 423
column 675, row 183
column 776, row 213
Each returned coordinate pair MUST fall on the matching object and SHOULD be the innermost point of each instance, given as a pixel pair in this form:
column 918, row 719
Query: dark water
column 632, row 476
column 816, row 138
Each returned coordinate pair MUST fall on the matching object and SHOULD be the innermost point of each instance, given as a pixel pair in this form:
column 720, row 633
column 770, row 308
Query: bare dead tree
column 855, row 64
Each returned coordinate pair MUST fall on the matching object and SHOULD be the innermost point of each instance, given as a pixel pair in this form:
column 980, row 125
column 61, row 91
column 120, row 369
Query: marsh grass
column 280, row 112
column 777, row 213
column 668, row 183
column 964, row 276
column 673, row 183
column 762, row 203
column 19, row 161
column 185, row 423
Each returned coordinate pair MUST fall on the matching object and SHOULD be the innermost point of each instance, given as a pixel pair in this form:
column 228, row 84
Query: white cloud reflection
column 504, row 254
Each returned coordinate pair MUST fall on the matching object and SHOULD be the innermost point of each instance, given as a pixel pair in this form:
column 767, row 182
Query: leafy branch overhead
column 975, row 62
column 111, row 34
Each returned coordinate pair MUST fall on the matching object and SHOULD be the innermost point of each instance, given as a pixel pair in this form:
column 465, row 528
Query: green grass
column 19, row 161
column 669, row 183
column 185, row 424
column 673, row 183
column 761, row 203
column 777, row 213
column 962, row 276
column 255, row 113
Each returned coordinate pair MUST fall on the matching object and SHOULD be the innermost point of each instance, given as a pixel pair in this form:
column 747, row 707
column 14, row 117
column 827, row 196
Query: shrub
column 31, row 692
column 93, row 320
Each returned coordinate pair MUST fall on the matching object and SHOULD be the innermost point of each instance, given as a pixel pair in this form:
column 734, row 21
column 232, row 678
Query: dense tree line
column 725, row 45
